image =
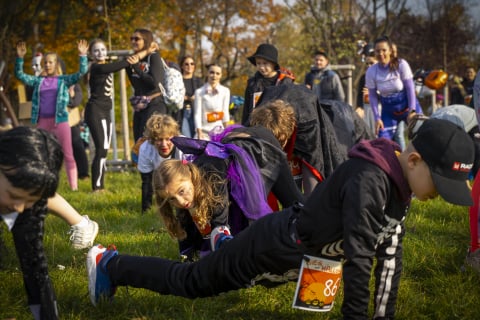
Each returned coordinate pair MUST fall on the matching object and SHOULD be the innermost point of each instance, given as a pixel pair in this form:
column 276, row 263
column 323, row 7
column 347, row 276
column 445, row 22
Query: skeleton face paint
column 37, row 64
column 99, row 51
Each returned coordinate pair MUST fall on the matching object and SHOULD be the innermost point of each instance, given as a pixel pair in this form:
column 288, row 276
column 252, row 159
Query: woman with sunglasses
column 191, row 83
column 145, row 75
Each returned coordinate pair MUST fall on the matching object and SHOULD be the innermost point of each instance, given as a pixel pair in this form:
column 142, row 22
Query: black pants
column 270, row 251
column 141, row 117
column 100, row 124
column 79, row 152
column 267, row 246
column 147, row 190
column 28, row 238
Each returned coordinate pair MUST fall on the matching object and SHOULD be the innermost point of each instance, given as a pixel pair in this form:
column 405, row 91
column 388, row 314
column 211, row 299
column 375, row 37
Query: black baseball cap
column 449, row 152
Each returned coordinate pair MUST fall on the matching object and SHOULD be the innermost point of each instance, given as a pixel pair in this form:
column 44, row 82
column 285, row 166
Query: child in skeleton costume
column 99, row 105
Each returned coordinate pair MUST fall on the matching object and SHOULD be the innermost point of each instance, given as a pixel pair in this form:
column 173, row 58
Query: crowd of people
column 304, row 174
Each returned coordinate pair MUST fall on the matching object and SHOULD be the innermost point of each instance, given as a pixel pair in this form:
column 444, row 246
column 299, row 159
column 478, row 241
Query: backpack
column 173, row 90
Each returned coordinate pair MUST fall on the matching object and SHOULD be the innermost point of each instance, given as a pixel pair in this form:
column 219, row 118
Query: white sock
column 82, row 223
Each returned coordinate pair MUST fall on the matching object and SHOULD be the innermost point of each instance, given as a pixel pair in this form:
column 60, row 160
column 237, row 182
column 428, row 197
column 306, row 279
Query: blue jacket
column 64, row 82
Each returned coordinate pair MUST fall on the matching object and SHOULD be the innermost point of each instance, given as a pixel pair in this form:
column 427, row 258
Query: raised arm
column 82, row 47
column 21, row 49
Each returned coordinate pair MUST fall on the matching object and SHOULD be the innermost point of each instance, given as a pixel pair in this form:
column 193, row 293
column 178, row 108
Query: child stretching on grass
column 357, row 214
column 229, row 178
column 30, row 160
column 158, row 147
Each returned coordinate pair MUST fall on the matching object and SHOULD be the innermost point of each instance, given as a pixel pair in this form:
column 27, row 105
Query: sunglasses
column 135, row 39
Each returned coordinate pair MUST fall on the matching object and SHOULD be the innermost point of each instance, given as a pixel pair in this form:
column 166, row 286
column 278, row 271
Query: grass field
column 434, row 284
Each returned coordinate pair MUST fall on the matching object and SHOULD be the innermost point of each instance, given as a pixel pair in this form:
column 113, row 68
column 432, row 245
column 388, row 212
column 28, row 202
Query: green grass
column 433, row 286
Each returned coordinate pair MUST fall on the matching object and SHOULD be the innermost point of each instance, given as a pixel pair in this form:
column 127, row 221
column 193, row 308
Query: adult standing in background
column 392, row 78
column 191, row 83
column 145, row 75
column 50, row 99
column 99, row 105
column 211, row 104
column 463, row 87
column 323, row 80
column 363, row 109
column 473, row 255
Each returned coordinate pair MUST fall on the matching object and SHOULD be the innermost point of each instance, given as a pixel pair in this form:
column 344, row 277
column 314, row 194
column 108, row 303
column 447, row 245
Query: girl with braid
column 30, row 161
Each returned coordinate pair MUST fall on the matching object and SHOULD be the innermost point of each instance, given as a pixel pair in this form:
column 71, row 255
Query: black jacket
column 316, row 141
column 259, row 83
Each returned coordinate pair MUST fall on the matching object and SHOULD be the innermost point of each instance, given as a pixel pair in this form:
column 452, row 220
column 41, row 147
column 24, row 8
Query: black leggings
column 100, row 125
column 28, row 238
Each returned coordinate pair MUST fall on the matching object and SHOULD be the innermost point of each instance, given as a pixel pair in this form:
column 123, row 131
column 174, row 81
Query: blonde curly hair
column 278, row 116
column 205, row 199
column 160, row 126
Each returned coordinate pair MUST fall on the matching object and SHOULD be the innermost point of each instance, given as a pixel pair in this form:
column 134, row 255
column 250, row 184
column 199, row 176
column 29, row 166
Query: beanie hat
column 459, row 114
column 267, row 52
column 448, row 151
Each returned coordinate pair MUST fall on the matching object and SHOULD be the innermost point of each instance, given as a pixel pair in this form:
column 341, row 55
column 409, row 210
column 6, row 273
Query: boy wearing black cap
column 323, row 80
column 357, row 214
column 265, row 59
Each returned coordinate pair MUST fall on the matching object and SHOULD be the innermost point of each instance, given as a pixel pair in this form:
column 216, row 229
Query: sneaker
column 99, row 284
column 218, row 236
column 83, row 237
column 473, row 260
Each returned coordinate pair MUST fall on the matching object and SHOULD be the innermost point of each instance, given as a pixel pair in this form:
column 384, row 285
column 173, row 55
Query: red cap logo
column 463, row 167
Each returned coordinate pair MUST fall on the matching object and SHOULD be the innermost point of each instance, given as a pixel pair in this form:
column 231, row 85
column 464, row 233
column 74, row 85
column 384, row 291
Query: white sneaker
column 83, row 237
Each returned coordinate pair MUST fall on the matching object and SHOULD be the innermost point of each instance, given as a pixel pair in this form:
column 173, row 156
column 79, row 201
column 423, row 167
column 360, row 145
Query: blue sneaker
column 218, row 236
column 99, row 284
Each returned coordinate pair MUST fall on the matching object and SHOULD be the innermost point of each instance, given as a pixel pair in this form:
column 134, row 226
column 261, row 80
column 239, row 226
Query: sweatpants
column 270, row 252
column 267, row 252
column 474, row 216
column 63, row 134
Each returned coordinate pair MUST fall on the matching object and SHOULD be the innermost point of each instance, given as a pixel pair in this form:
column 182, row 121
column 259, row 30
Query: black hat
column 448, row 151
column 267, row 52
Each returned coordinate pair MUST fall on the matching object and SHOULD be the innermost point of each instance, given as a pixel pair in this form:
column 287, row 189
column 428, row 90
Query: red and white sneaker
column 99, row 284
column 218, row 236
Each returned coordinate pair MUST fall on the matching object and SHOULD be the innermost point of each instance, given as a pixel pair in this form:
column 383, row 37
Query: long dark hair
column 31, row 159
column 147, row 37
column 394, row 61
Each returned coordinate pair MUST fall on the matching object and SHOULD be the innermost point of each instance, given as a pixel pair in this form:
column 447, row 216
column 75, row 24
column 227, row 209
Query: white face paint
column 99, row 51
column 37, row 65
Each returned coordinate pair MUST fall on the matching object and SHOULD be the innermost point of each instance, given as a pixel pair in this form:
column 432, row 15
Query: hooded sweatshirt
column 359, row 205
